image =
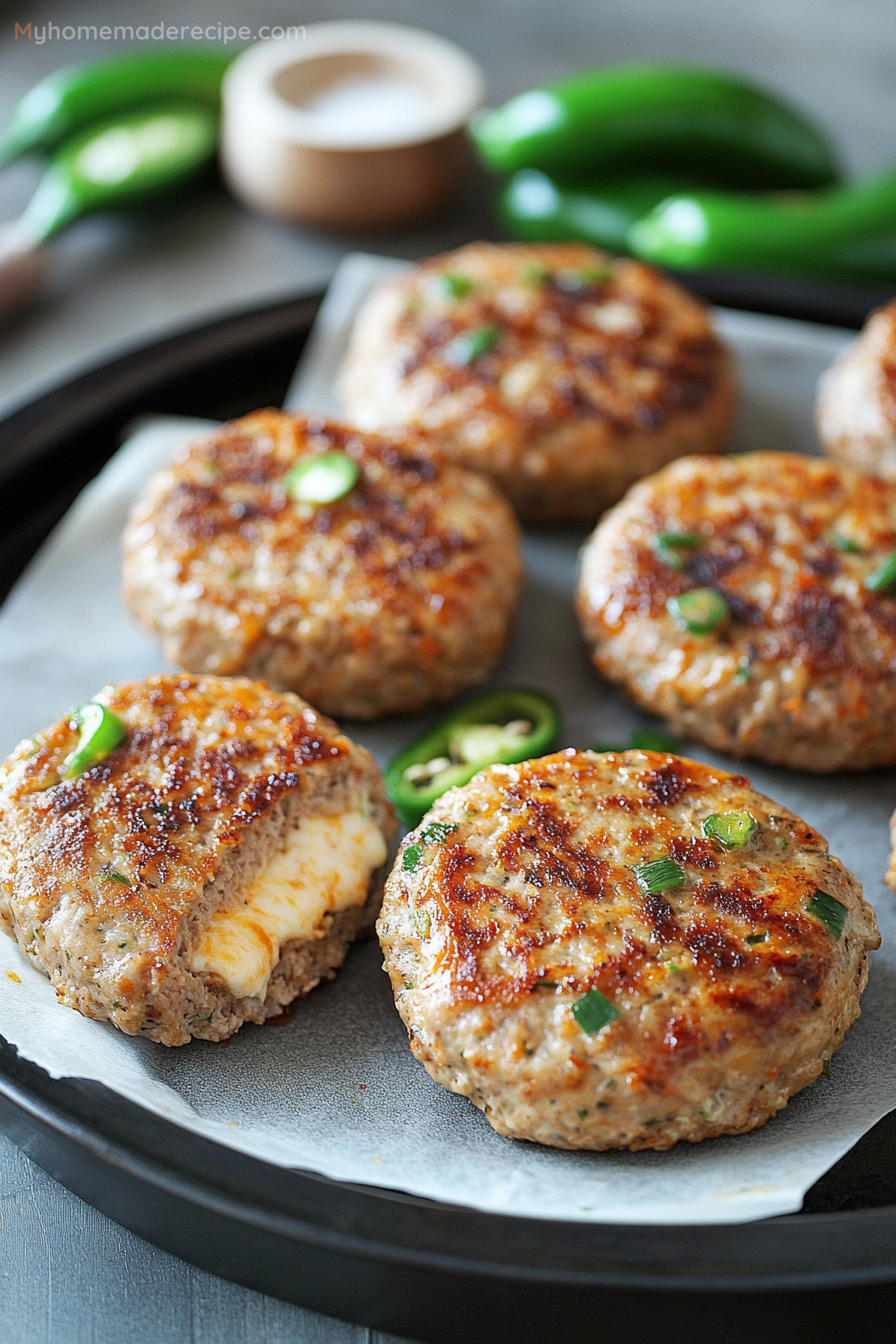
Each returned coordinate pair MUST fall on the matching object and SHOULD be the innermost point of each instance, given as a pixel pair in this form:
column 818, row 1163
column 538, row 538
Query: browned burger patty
column 563, row 373
column 212, row 868
column 395, row 597
column 584, row 1000
column 800, row 670
column 856, row 408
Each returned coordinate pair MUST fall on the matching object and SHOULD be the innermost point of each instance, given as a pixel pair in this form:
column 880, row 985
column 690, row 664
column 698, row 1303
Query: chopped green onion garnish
column 467, row 348
column 659, row 875
column 596, row 275
column 882, row 579
column 701, row 611
column 436, row 832
column 572, row 281
column 118, row 877
column 410, row 857
column 830, row 911
column 731, row 829
column 593, row 1011
column 669, row 545
column 457, row 286
column 648, row 739
column 101, row 732
column 423, row 920
column 847, row 544
column 743, row 671
column 687, row 541
column 753, row 938
column 535, row 273
column 323, row 479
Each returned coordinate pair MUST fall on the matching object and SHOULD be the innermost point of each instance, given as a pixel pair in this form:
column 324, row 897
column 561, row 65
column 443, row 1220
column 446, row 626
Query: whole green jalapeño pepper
column 661, row 118
column 536, row 209
column 497, row 728
column 68, row 101
column 847, row 233
column 122, row 163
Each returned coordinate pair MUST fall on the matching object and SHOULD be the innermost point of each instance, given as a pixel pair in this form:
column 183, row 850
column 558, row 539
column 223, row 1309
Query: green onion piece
column 830, row 911
column 601, row 747
column 701, row 611
column 846, row 544
column 743, row 671
column 648, row 739
column 323, row 479
column 117, row 877
column 535, row 273
column 423, row 920
column 731, row 829
column 467, row 348
column 411, row 856
column 593, row 1012
column 882, row 579
column 753, row 938
column 573, row 281
column 659, row 875
column 436, row 832
column 668, row 546
column 456, row 286
column 595, row 275
column 101, row 732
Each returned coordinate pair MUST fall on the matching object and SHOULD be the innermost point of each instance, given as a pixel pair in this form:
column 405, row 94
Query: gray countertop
column 67, row 1273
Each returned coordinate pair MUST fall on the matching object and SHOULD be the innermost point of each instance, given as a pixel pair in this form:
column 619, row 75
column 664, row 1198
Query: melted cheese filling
column 325, row 867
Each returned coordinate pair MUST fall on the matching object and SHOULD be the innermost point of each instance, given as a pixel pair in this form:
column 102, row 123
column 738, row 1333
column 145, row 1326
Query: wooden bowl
column 356, row 125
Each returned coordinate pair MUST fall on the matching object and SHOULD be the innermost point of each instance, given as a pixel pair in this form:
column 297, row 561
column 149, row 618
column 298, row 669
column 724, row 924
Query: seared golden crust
column 396, row 597
column 856, row 408
column 730, row 993
column 803, row 675
column 106, row 878
column 602, row 371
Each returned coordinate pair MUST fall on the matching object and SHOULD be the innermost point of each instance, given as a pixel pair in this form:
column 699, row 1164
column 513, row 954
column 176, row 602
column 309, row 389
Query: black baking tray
column 407, row 1265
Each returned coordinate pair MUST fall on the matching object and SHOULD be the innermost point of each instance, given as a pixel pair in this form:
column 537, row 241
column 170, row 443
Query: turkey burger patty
column 752, row 600
column 395, row 595
column 207, row 863
column 563, row 373
column 856, row 408
column 622, row 950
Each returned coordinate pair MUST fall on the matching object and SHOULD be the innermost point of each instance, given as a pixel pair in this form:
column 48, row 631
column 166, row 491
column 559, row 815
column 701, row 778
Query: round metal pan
column 402, row 1264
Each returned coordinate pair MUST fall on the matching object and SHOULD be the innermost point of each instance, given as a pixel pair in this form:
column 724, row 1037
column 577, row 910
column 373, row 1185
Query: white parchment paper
column 336, row 1091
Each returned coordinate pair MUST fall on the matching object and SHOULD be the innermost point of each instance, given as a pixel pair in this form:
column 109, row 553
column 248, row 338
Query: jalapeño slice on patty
column 701, row 611
column 101, row 732
column 497, row 728
column 323, row 479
